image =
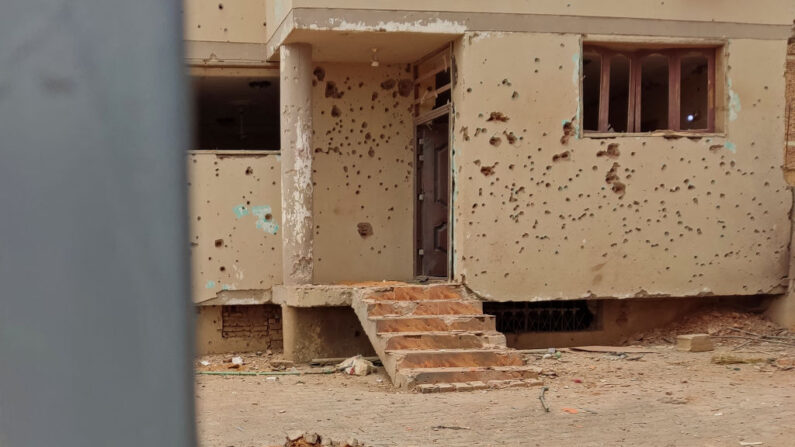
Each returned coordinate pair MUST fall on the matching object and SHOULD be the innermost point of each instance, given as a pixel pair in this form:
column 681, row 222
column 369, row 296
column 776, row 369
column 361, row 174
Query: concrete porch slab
column 324, row 295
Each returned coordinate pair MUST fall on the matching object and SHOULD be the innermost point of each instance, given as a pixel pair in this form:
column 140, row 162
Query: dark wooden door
column 433, row 209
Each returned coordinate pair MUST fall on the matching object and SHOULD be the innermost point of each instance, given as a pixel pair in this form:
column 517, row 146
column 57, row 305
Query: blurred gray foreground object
column 95, row 320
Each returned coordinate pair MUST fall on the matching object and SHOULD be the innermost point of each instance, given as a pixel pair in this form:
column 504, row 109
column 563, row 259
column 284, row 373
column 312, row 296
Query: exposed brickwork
column 255, row 322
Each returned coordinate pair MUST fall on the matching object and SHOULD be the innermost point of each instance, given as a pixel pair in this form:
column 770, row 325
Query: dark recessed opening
column 591, row 73
column 547, row 316
column 236, row 112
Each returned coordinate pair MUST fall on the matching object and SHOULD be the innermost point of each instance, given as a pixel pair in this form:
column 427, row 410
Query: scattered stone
column 445, row 387
column 478, row 385
column 427, row 388
column 731, row 359
column 462, row 386
column 694, row 343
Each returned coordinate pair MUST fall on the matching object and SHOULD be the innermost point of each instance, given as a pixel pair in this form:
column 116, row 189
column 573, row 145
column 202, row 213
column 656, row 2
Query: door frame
column 419, row 121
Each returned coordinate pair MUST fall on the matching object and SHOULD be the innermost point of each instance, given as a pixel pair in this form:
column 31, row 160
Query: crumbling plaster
column 542, row 212
column 235, row 211
column 363, row 173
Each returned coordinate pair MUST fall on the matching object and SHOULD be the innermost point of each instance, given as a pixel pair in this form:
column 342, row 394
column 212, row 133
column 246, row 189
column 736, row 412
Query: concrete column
column 296, row 161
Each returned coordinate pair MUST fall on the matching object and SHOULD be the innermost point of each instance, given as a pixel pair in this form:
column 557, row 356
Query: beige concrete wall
column 741, row 11
column 542, row 214
column 235, row 212
column 363, row 173
column 225, row 21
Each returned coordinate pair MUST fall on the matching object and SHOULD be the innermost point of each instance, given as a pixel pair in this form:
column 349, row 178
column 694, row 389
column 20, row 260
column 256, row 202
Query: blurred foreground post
column 95, row 320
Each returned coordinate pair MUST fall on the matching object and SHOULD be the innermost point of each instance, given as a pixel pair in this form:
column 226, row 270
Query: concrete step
column 419, row 293
column 441, row 340
column 410, row 378
column 430, row 307
column 476, row 385
column 455, row 358
column 435, row 323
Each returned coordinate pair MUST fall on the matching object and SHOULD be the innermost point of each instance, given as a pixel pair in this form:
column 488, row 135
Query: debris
column 751, row 443
column 570, row 410
column 337, row 360
column 357, row 365
column 614, row 349
column 294, row 435
column 541, row 398
column 731, row 359
column 205, row 363
column 272, row 379
column 674, row 400
column 694, row 343
column 237, row 362
column 449, row 427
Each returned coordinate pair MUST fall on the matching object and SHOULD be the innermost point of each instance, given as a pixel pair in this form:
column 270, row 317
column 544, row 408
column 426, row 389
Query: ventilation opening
column 550, row 316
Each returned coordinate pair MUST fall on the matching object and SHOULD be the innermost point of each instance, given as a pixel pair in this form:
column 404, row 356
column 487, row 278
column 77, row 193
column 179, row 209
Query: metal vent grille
column 555, row 316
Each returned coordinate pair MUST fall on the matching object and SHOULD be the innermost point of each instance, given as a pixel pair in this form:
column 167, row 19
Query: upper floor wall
column 249, row 31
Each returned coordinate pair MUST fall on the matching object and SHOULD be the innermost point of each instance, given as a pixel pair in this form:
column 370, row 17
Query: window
column 236, row 109
column 648, row 89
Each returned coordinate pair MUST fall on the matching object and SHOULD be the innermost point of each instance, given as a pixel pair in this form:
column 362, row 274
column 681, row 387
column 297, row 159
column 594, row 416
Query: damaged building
column 439, row 182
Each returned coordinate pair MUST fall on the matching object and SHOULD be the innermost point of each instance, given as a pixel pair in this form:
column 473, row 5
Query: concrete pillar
column 296, row 161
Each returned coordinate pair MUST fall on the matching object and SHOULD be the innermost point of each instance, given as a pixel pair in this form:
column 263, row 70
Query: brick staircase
column 436, row 338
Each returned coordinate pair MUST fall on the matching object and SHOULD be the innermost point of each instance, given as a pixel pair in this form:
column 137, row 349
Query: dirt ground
column 660, row 398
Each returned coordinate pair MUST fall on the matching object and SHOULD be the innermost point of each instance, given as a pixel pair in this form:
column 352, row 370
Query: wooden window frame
column 635, row 58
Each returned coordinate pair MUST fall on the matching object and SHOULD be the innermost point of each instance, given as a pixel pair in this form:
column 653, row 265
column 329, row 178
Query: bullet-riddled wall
column 537, row 213
column 235, row 211
column 363, row 173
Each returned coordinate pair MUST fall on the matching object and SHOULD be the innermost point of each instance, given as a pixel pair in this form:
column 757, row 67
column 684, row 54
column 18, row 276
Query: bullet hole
column 364, row 124
column 364, row 229
column 223, row 269
column 495, row 141
column 220, row 6
column 563, row 156
column 249, row 170
column 515, row 95
column 405, row 86
column 715, row 147
column 568, row 131
column 320, row 74
column 332, row 91
column 612, row 151
column 506, row 82
column 612, row 179
column 498, row 116
column 335, row 111
column 371, row 152
column 219, row 242
column 389, row 84
column 465, row 132
column 488, row 170
column 268, row 216
column 374, row 96
column 510, row 137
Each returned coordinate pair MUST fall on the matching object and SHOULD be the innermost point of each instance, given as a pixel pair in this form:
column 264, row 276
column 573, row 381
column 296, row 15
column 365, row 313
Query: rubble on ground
column 723, row 325
column 307, row 439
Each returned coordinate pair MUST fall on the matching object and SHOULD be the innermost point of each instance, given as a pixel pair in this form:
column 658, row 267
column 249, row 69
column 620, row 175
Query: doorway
column 433, row 198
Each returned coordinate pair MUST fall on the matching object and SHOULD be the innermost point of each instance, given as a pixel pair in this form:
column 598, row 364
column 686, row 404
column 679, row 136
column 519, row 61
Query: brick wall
column 252, row 322
column 225, row 329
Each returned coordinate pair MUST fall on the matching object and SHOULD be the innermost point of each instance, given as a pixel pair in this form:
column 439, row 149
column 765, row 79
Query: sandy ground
column 663, row 398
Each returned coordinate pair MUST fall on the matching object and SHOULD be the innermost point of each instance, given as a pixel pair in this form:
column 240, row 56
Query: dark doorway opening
column 433, row 198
